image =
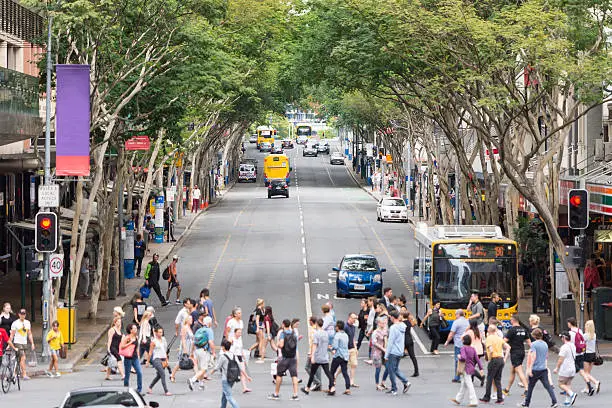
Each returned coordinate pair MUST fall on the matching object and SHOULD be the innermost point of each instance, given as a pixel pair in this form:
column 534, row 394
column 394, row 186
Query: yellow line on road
column 384, row 248
column 212, row 275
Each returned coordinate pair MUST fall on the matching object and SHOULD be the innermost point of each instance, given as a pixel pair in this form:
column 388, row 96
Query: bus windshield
column 463, row 268
column 303, row 131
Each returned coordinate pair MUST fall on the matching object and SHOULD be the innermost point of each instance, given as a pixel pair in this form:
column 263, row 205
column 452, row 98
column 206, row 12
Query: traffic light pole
column 46, row 295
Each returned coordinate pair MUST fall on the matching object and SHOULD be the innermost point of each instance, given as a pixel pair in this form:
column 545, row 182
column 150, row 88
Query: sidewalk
column 605, row 346
column 89, row 331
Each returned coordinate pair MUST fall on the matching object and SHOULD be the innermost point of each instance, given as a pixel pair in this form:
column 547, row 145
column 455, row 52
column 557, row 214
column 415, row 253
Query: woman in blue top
column 341, row 356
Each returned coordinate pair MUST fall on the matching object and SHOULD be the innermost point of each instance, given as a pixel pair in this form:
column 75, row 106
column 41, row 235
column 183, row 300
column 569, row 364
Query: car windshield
column 95, row 398
column 359, row 264
column 393, row 203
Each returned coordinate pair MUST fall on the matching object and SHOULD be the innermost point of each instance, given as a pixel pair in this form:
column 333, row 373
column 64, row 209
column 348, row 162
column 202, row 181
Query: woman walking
column 363, row 322
column 114, row 336
column 131, row 356
column 187, row 344
column 159, row 359
column 260, row 345
column 469, row 357
column 144, row 337
column 591, row 352
column 410, row 321
column 237, row 350
column 379, row 348
column 478, row 344
column 270, row 332
column 433, row 320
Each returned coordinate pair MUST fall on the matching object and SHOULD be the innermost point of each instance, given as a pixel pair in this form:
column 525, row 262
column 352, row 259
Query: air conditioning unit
column 608, row 151
column 599, row 149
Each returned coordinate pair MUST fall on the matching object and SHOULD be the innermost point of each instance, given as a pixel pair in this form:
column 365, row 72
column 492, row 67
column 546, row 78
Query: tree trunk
column 142, row 208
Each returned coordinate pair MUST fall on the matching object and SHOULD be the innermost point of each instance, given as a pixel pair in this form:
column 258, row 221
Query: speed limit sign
column 56, row 266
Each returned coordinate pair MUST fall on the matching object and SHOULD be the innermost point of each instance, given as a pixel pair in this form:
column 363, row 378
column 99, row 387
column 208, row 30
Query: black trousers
column 435, row 338
column 313, row 371
column 138, row 266
column 342, row 363
column 415, row 364
column 156, row 288
column 494, row 373
column 362, row 335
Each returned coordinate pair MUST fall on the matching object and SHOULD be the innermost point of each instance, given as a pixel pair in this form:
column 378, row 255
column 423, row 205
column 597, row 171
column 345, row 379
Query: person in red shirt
column 4, row 340
column 591, row 276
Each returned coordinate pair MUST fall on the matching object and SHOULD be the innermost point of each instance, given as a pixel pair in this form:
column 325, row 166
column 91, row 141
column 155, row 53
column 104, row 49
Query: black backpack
column 289, row 345
column 233, row 370
column 166, row 273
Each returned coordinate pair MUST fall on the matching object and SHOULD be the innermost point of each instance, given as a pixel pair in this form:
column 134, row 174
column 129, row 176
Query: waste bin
column 601, row 296
column 66, row 317
column 607, row 318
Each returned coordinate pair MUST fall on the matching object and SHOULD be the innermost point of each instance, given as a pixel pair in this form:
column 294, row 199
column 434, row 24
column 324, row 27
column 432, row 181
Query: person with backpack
column 237, row 350
column 287, row 344
column 152, row 275
column 230, row 371
column 172, row 279
column 204, row 343
column 534, row 323
column 577, row 337
column 257, row 327
column 270, row 332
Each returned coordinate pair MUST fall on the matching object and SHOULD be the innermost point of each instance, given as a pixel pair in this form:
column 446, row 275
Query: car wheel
column 287, row 195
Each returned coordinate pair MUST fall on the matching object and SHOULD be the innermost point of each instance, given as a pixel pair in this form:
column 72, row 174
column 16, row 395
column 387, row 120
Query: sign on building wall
column 72, row 120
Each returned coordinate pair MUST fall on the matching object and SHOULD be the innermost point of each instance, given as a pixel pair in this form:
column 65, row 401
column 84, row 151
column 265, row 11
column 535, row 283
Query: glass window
column 359, row 264
column 393, row 203
column 95, row 398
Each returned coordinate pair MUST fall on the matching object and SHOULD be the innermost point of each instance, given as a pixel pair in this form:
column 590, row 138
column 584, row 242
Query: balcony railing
column 18, row 21
column 19, row 110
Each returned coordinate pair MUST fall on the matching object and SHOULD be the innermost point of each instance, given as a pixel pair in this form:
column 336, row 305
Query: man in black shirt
column 349, row 329
column 152, row 275
column 516, row 337
column 492, row 307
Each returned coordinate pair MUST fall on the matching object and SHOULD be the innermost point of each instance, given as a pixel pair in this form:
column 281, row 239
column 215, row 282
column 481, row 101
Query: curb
column 69, row 366
column 364, row 188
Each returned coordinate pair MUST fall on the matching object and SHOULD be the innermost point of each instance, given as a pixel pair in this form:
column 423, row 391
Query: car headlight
column 377, row 278
column 342, row 276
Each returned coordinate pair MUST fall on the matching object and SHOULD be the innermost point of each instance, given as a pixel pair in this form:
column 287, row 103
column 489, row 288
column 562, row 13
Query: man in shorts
column 203, row 354
column 287, row 343
column 566, row 367
column 173, row 280
column 21, row 332
column 349, row 329
column 516, row 337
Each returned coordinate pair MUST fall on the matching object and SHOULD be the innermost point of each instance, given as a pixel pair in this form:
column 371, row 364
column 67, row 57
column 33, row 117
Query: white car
column 392, row 209
column 247, row 172
column 105, row 397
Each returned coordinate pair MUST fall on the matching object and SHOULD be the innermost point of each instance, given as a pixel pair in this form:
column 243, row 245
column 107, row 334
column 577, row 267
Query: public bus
column 455, row 261
column 303, row 133
column 265, row 134
column 276, row 166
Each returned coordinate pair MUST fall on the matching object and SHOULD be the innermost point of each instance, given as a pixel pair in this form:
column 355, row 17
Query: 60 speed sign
column 56, row 266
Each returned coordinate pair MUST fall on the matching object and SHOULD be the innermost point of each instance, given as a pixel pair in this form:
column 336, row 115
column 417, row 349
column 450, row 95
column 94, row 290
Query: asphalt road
column 283, row 250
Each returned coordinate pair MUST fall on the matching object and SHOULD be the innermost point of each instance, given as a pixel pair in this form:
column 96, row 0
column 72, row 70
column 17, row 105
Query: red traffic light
column 45, row 223
column 575, row 200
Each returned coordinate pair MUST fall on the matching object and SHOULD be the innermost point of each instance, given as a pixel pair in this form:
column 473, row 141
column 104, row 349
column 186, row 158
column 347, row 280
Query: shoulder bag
column 598, row 359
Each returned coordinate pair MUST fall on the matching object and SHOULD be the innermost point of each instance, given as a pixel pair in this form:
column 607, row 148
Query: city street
column 283, row 250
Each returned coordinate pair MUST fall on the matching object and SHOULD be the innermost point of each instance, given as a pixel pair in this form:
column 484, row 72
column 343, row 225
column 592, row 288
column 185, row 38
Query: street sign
column 56, row 266
column 138, row 143
column 48, row 196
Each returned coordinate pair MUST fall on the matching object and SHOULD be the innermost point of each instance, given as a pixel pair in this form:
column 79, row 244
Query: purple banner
column 72, row 118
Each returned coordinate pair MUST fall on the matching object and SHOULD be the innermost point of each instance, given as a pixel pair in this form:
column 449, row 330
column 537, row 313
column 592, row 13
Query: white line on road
column 304, row 261
column 304, row 250
column 330, row 177
column 308, row 304
column 212, row 275
column 303, row 241
column 306, row 273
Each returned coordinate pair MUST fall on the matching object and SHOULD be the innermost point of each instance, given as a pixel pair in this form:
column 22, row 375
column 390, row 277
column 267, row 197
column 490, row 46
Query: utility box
column 602, row 315
column 567, row 309
column 66, row 317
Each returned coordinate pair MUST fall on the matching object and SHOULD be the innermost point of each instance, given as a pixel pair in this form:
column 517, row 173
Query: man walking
column 204, row 340
column 21, row 332
column 139, row 253
column 477, row 312
column 287, row 343
column 492, row 307
column 497, row 353
column 312, row 330
column 349, row 329
column 223, row 365
column 195, row 195
column 537, row 369
column 566, row 368
column 152, row 275
column 318, row 356
column 173, row 280
column 516, row 337
column 460, row 325
column 395, row 351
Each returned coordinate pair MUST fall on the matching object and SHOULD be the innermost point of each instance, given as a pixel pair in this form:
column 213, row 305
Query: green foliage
column 532, row 241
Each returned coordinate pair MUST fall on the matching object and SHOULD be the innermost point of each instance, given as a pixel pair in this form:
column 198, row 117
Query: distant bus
column 265, row 134
column 276, row 166
column 455, row 261
column 303, row 133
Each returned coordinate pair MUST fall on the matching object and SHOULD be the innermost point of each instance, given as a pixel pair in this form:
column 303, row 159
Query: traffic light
column 574, row 257
column 45, row 239
column 578, row 209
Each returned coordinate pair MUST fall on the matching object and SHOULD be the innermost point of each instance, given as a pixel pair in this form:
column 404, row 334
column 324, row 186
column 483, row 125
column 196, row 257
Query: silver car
column 310, row 150
column 323, row 147
column 105, row 397
column 336, row 158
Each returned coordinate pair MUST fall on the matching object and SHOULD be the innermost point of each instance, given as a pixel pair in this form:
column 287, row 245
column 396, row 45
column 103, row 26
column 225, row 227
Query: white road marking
column 416, row 338
column 306, row 273
column 304, row 261
column 307, row 296
column 330, row 177
column 304, row 250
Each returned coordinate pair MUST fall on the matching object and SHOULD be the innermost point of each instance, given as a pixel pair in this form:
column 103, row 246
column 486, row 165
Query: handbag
column 104, row 360
column 164, row 363
column 32, row 360
column 112, row 361
column 63, row 351
column 128, row 351
column 598, row 359
column 185, row 363
column 460, row 367
column 443, row 323
column 145, row 291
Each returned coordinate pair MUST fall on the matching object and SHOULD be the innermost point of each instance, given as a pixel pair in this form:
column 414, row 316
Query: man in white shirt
column 234, row 323
column 182, row 314
column 195, row 195
column 21, row 332
column 566, row 367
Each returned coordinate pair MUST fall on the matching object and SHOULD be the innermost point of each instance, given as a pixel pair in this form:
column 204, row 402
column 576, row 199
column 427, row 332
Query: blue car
column 359, row 275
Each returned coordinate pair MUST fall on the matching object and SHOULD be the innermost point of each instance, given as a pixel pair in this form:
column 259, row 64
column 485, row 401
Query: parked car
column 278, row 187
column 105, row 397
column 276, row 150
column 359, row 275
column 323, row 147
column 336, row 158
column 287, row 144
column 253, row 139
column 265, row 147
column 391, row 209
column 310, row 150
